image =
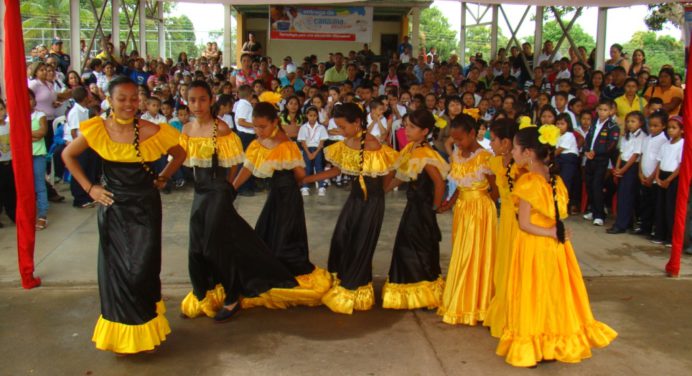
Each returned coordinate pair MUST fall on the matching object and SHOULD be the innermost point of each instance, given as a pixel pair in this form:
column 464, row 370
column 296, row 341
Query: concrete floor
column 47, row 331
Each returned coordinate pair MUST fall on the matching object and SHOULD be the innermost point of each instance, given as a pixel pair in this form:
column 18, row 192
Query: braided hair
column 353, row 113
column 505, row 129
column 527, row 138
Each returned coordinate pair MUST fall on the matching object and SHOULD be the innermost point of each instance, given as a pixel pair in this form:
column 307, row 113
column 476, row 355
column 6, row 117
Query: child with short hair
column 567, row 156
column 153, row 114
column 627, row 169
column 600, row 147
column 651, row 147
column 312, row 136
column 39, row 128
column 167, row 108
column 669, row 160
column 377, row 124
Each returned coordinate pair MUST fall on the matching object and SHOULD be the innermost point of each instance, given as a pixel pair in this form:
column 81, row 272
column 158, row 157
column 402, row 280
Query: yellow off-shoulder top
column 497, row 166
column 262, row 161
column 534, row 189
column 200, row 150
column 151, row 149
column 470, row 173
column 375, row 163
column 412, row 160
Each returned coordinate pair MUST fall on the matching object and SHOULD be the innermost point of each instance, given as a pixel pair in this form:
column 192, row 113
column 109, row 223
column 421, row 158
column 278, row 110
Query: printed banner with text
column 348, row 24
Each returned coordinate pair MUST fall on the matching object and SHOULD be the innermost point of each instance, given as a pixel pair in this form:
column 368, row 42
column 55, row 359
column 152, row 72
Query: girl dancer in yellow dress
column 414, row 275
column 505, row 171
column 469, row 282
column 129, row 219
column 549, row 316
column 358, row 227
column 281, row 224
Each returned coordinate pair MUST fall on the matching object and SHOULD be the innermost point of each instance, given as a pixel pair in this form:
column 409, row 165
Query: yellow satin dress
column 548, row 311
column 496, row 318
column 469, row 282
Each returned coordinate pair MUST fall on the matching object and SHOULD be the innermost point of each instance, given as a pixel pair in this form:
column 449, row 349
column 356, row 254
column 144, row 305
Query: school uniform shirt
column 671, row 156
column 375, row 131
column 332, row 125
column 5, row 153
column 76, row 115
column 243, row 110
column 631, row 146
column 568, row 143
column 602, row 138
column 156, row 119
column 651, row 148
column 312, row 134
column 569, row 99
column 565, row 74
column 485, row 144
column 228, row 119
column 572, row 118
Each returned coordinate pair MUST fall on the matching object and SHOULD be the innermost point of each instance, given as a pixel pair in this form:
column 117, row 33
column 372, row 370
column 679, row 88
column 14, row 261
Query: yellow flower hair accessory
column 473, row 112
column 525, row 122
column 549, row 134
column 270, row 97
column 440, row 122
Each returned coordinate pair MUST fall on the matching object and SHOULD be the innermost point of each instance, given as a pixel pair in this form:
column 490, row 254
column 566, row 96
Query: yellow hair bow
column 549, row 134
column 525, row 122
column 270, row 97
column 440, row 122
column 473, row 112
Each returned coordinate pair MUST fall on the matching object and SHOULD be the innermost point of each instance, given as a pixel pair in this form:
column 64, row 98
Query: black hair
column 353, row 113
column 79, row 94
column 423, row 119
column 119, row 81
column 183, row 107
column 312, row 109
column 505, row 129
column 527, row 138
column 661, row 115
column 607, row 102
column 201, row 84
column 32, row 95
column 567, row 119
column 655, row 100
column 464, row 122
column 547, row 108
column 265, row 110
column 223, row 100
column 642, row 122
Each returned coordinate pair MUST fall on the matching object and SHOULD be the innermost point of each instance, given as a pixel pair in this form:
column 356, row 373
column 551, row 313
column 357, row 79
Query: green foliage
column 435, row 31
column 659, row 50
column 181, row 23
column 660, row 14
column 478, row 40
column 552, row 31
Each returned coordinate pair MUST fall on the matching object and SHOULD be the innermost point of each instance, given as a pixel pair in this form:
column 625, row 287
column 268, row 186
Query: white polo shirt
column 312, row 134
column 632, row 146
column 243, row 110
column 76, row 115
column 332, row 125
column 568, row 143
column 651, row 147
column 671, row 155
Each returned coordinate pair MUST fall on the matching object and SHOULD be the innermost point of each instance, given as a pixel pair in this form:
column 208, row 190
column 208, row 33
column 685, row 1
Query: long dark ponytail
column 353, row 113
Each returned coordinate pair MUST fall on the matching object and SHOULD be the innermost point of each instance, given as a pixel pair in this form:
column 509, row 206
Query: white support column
column 601, row 37
column 462, row 36
column 162, row 31
column 415, row 31
column 494, row 32
column 2, row 51
column 75, row 55
column 115, row 35
column 143, row 28
column 227, row 42
column 538, row 35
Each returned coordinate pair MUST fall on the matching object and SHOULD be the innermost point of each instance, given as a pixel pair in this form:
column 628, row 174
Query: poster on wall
column 347, row 24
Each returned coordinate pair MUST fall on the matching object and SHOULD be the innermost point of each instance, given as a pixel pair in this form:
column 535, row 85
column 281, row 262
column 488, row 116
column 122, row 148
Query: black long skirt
column 414, row 274
column 224, row 249
column 282, row 224
column 129, row 262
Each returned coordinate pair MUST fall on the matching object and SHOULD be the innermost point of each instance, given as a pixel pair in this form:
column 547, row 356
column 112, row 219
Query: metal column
column 115, row 34
column 462, row 36
column 143, row 28
column 494, row 32
column 162, row 31
column 75, row 53
column 227, row 42
column 601, row 37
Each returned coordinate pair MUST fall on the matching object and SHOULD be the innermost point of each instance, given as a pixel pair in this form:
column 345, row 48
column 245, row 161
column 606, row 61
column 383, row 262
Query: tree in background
column 660, row 14
column 552, row 31
column 659, row 50
column 181, row 34
column 478, row 40
column 435, row 31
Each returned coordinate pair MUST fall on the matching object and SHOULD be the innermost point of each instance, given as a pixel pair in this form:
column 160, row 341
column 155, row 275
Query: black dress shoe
column 639, row 231
column 226, row 314
column 615, row 230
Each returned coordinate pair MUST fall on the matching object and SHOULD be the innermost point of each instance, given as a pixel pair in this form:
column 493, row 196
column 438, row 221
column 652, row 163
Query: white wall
column 298, row 49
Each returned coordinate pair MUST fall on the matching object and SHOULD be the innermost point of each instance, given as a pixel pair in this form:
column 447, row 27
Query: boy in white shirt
column 89, row 160
column 311, row 137
column 153, row 115
column 246, row 131
column 651, row 147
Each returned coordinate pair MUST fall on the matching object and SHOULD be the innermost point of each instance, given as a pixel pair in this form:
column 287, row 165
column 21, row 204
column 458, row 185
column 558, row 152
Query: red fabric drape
column 673, row 266
column 20, row 139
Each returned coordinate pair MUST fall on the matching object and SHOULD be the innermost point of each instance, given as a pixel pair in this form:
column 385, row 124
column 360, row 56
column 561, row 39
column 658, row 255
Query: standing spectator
column 547, row 52
column 63, row 58
column 245, row 75
column 39, row 130
column 669, row 160
column 671, row 95
column 245, row 129
column 617, row 59
column 312, row 136
column 337, row 73
column 252, row 46
column 629, row 101
column 404, row 45
column 89, row 160
column 638, row 63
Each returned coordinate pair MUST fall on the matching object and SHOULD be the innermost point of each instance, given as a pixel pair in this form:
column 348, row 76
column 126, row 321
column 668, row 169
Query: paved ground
column 47, row 331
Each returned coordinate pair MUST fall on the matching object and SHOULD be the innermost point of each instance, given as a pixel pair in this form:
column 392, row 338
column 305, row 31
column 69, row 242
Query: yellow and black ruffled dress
column 414, row 275
column 132, row 313
column 281, row 223
column 549, row 315
column 469, row 282
column 358, row 227
column 496, row 317
column 227, row 260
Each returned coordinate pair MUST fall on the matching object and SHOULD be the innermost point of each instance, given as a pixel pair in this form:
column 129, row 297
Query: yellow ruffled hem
column 375, row 163
column 464, row 318
column 262, row 161
column 424, row 294
column 529, row 350
column 192, row 307
column 266, row 168
column 311, row 287
column 342, row 300
column 412, row 162
column 131, row 339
